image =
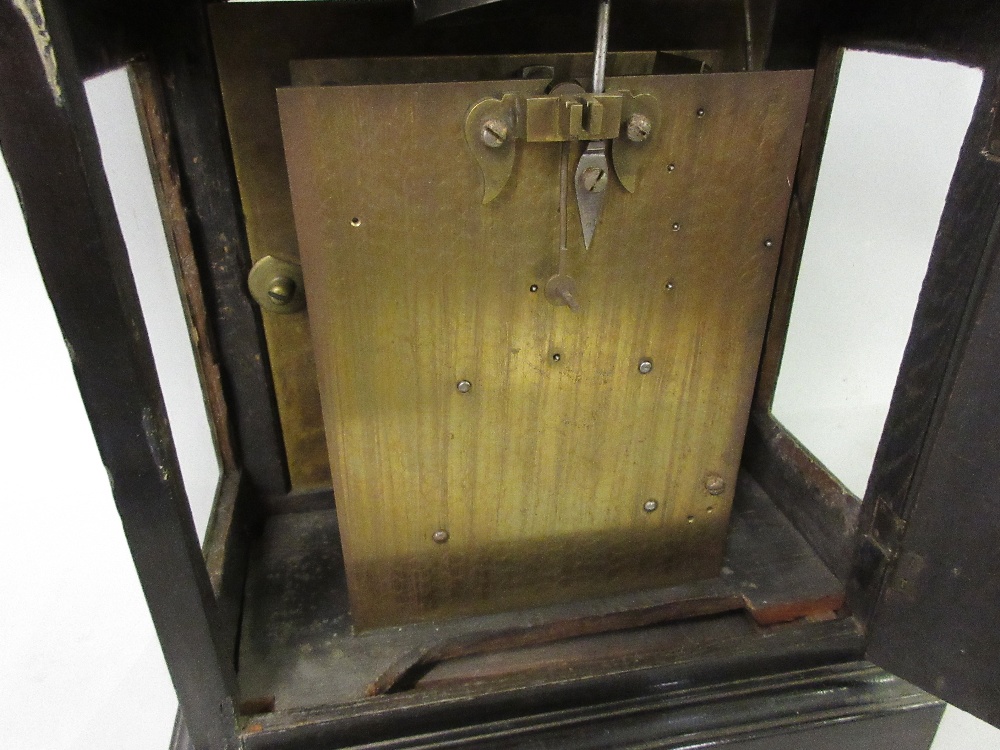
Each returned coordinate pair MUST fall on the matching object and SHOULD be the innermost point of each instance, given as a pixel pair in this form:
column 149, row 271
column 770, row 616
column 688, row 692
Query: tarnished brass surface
column 254, row 47
column 444, row 69
column 540, row 472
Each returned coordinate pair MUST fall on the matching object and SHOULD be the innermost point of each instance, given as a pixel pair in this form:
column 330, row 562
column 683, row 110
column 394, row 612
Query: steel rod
column 601, row 46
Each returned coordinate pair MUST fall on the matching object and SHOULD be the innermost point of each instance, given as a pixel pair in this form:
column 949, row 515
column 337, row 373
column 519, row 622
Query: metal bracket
column 641, row 115
column 276, row 285
column 493, row 126
column 489, row 131
column 582, row 117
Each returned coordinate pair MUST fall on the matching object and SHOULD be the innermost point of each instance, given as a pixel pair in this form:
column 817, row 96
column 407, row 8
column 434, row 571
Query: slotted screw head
column 638, row 128
column 715, row 484
column 495, row 133
column 595, row 179
column 281, row 290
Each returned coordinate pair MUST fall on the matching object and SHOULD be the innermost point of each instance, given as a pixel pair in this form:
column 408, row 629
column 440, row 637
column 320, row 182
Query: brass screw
column 495, row 133
column 638, row 128
column 650, row 505
column 645, row 366
column 595, row 179
column 281, row 291
column 440, row 536
column 715, row 484
column 464, row 386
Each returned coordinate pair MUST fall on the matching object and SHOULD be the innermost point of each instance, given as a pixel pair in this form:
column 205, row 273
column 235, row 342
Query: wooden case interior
column 787, row 559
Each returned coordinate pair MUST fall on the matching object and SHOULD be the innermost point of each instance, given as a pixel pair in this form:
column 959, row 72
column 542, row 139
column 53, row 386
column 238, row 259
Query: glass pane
column 127, row 168
column 895, row 134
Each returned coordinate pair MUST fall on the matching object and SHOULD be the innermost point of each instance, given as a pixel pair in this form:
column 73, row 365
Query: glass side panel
column 895, row 134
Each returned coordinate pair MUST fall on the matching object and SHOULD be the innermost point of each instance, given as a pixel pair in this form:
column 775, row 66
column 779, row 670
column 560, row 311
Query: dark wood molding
column 51, row 150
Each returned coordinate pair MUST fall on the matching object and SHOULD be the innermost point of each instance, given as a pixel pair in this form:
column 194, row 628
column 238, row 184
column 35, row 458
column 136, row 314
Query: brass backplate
column 260, row 46
column 534, row 485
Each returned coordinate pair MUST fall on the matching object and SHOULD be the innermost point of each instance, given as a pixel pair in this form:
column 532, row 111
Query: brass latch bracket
column 583, row 117
column 494, row 126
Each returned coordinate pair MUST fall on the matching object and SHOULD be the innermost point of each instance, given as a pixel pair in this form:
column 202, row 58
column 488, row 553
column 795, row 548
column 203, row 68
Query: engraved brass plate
column 533, row 481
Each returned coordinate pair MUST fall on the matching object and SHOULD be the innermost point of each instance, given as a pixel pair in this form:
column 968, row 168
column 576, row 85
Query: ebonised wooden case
column 910, row 556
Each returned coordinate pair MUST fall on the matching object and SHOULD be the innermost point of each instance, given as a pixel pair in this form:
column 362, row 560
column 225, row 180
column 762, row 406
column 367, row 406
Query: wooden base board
column 298, row 649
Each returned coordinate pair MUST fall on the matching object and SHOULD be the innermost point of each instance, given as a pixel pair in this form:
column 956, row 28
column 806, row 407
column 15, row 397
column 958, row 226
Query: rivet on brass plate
column 276, row 285
column 533, row 288
column 670, row 286
column 645, row 366
column 355, row 222
column 700, row 112
column 690, row 519
column 650, row 505
column 715, row 484
column 671, row 167
column 768, row 243
column 556, row 357
column 464, row 386
column 676, row 227
column 440, row 536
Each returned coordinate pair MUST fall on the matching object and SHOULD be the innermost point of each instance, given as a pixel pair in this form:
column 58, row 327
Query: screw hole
column 710, row 509
column 355, row 222
column 690, row 519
